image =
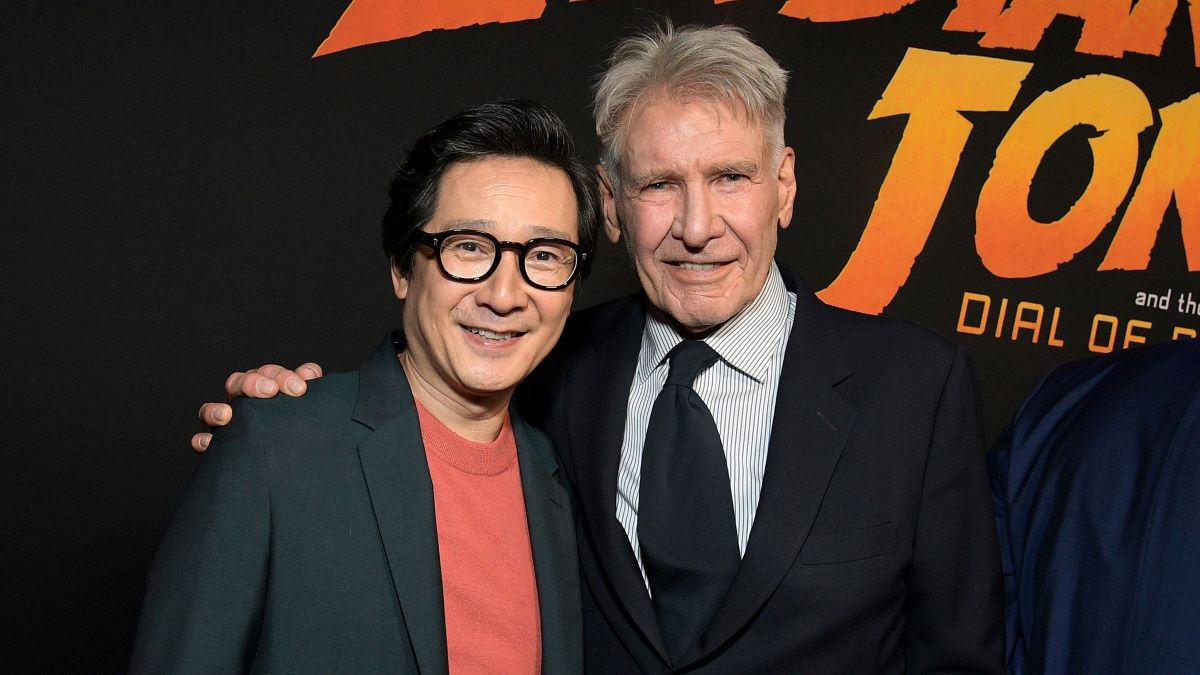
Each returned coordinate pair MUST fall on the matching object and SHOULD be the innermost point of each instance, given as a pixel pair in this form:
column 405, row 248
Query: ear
column 786, row 173
column 608, row 203
column 399, row 283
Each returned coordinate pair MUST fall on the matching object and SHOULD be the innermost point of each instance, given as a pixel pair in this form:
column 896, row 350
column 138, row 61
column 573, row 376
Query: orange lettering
column 968, row 299
column 1020, row 322
column 1053, row 340
column 932, row 88
column 1183, row 332
column 974, row 16
column 1110, row 28
column 369, row 21
column 1173, row 170
column 1011, row 243
column 1000, row 316
column 1112, row 323
column 1130, row 338
column 1194, row 13
column 841, row 10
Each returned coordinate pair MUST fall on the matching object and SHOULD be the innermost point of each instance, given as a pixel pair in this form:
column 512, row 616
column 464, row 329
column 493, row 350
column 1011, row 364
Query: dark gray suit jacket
column 306, row 541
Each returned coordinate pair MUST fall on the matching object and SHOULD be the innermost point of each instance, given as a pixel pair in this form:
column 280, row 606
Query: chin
column 491, row 384
column 700, row 317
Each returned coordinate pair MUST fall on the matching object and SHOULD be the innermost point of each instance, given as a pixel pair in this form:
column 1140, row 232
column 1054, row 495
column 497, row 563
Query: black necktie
column 685, row 508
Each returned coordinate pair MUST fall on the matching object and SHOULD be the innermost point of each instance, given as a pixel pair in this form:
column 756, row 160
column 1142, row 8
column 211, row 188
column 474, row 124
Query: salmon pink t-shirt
column 491, row 602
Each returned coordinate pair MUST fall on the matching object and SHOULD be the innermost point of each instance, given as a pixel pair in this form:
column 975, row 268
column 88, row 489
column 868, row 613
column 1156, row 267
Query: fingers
column 212, row 415
column 215, row 414
column 290, row 382
column 264, row 382
column 309, row 371
column 255, row 383
column 200, row 442
column 271, row 379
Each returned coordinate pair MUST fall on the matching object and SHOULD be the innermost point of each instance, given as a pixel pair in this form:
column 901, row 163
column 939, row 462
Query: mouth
column 692, row 266
column 493, row 336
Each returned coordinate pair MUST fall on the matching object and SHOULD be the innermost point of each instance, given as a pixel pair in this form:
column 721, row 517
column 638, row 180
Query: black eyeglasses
column 471, row 256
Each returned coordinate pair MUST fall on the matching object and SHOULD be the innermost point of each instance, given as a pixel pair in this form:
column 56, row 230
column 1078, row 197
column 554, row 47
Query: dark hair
column 505, row 128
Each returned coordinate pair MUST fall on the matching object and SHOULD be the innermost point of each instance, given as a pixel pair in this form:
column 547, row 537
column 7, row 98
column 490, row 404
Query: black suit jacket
column 306, row 542
column 873, row 547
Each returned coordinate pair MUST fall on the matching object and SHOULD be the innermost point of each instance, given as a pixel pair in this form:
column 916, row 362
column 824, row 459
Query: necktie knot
column 688, row 359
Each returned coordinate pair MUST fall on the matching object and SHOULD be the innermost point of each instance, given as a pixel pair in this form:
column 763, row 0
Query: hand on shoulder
column 262, row 382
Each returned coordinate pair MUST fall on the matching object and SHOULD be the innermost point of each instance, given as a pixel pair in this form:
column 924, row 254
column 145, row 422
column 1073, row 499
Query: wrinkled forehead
column 723, row 108
column 724, row 104
column 652, row 135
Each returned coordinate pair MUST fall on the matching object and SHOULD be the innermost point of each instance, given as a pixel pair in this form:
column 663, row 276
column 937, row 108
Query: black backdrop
column 186, row 192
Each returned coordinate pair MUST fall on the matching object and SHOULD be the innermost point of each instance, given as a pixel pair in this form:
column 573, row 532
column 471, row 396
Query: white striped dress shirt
column 739, row 389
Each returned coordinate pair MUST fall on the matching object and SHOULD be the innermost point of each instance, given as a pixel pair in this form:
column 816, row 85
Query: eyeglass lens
column 469, row 256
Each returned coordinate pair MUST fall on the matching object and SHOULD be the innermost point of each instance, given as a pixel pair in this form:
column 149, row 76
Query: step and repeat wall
column 195, row 188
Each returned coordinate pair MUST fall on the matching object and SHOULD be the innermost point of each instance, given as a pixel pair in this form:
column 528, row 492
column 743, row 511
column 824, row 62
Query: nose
column 698, row 221
column 505, row 291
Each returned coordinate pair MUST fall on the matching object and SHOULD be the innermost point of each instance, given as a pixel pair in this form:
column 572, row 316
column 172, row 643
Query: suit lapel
column 555, row 560
column 811, row 425
column 599, row 384
column 397, row 475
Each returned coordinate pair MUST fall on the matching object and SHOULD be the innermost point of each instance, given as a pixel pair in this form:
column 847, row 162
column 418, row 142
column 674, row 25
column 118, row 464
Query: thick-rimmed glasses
column 471, row 256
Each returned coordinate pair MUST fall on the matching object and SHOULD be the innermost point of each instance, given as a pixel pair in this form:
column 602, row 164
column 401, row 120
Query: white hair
column 718, row 63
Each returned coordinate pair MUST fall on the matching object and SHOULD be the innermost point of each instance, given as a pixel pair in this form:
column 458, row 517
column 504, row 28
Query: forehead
column 512, row 197
column 668, row 130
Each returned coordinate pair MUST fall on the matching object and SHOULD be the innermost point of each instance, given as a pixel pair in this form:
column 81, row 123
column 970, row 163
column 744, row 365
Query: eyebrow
column 489, row 226
column 747, row 166
column 652, row 176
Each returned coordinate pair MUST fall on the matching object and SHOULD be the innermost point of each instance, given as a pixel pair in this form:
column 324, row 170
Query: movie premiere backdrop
column 193, row 188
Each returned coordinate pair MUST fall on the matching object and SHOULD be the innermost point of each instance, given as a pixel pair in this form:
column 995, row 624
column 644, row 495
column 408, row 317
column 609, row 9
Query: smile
column 493, row 335
column 698, row 266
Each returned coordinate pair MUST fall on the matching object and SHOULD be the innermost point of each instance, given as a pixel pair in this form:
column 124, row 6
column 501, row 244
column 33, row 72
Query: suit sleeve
column 954, row 585
column 205, row 591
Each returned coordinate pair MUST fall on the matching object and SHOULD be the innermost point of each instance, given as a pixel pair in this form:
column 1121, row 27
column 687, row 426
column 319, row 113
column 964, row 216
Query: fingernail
column 220, row 415
column 293, row 385
column 263, row 387
column 204, row 443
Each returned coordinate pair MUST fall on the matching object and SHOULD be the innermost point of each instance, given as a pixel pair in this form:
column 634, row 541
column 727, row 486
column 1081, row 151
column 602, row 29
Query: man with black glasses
column 400, row 518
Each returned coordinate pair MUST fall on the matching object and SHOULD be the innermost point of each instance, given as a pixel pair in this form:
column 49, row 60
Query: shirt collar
column 746, row 342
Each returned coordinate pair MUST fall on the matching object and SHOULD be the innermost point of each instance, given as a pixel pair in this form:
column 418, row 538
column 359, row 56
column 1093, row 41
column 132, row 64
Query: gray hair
column 718, row 63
